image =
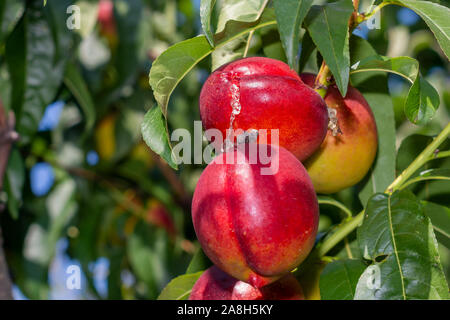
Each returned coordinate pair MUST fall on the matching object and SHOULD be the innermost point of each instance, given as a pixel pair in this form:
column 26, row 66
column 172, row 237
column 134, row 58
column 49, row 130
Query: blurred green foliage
column 130, row 207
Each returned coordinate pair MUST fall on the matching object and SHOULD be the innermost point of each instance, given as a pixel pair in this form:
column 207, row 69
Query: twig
column 136, row 209
column 172, row 178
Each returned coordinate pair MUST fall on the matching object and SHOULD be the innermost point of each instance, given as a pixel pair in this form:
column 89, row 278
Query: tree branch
column 347, row 227
column 7, row 138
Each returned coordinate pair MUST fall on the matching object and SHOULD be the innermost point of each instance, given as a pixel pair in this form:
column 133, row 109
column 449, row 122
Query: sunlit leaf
column 199, row 262
column 180, row 288
column 206, row 8
column 398, row 239
column 339, row 278
column 154, row 133
column 174, row 63
column 237, row 10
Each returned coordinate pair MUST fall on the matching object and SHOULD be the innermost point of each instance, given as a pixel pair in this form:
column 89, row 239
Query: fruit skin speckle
column 272, row 96
column 255, row 227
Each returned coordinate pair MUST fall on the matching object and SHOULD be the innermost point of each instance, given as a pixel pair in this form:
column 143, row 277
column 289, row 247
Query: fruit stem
column 324, row 77
column 348, row 226
column 323, row 80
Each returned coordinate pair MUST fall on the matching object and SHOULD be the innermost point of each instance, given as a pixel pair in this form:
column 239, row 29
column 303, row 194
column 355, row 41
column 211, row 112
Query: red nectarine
column 256, row 227
column 343, row 160
column 214, row 284
column 266, row 94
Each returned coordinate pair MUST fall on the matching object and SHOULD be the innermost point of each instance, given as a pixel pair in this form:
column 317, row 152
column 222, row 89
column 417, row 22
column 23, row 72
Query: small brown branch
column 119, row 197
column 7, row 137
column 173, row 180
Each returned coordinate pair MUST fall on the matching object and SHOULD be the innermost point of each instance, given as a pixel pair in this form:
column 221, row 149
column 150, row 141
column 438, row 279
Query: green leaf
column 436, row 17
column 422, row 101
column 382, row 172
column 234, row 10
column 10, row 13
column 307, row 49
column 35, row 55
column 234, row 29
column 328, row 27
column 350, row 250
column 174, row 63
column 271, row 43
column 440, row 218
column 127, row 14
column 14, row 181
column 76, row 84
column 147, row 253
column 199, row 262
column 56, row 16
column 42, row 235
column 290, row 15
column 206, row 8
column 375, row 90
column 154, row 133
column 338, row 280
column 115, row 257
column 180, row 287
column 399, row 240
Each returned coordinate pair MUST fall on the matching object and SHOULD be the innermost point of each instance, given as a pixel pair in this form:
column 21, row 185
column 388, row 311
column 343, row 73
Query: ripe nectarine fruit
column 214, row 284
column 343, row 160
column 266, row 94
column 256, row 227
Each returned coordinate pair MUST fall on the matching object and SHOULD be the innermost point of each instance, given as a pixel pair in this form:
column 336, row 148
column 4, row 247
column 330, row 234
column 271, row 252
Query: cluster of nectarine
column 256, row 228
